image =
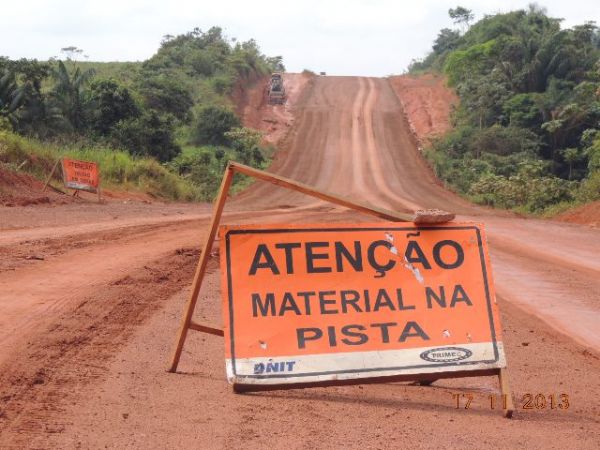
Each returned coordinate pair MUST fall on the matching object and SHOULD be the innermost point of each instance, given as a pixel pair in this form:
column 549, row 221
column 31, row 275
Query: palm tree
column 69, row 93
column 11, row 96
column 571, row 156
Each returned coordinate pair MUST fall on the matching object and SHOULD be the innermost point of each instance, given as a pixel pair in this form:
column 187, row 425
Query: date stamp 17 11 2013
column 530, row 401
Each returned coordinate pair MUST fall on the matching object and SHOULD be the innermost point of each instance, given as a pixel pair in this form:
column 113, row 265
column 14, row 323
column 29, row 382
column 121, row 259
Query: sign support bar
column 51, row 173
column 201, row 269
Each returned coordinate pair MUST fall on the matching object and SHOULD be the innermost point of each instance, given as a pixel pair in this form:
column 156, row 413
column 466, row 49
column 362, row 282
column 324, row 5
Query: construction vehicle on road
column 276, row 90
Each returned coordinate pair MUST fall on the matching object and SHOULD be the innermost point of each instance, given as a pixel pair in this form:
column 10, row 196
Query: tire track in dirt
column 45, row 289
column 398, row 198
column 68, row 355
column 359, row 166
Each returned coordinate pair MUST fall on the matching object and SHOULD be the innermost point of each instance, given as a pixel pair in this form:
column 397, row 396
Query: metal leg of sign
column 186, row 322
column 508, row 406
column 50, row 176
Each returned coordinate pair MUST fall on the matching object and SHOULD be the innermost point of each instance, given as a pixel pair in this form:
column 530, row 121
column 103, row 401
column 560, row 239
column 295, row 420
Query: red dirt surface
column 428, row 103
column 20, row 189
column 87, row 332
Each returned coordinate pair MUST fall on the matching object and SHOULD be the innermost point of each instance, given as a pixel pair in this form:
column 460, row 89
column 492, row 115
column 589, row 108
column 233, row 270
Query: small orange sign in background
column 81, row 175
column 307, row 303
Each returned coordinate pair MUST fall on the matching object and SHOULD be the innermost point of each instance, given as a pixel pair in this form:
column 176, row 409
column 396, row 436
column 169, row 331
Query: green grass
column 119, row 170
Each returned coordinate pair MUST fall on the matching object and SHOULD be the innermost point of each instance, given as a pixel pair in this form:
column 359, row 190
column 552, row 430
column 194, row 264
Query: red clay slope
column 427, row 102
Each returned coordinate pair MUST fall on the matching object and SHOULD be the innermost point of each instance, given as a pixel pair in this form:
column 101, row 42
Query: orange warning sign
column 307, row 303
column 82, row 175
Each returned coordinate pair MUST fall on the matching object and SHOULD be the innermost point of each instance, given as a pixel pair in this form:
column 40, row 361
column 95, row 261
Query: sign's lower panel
column 361, row 365
column 80, row 186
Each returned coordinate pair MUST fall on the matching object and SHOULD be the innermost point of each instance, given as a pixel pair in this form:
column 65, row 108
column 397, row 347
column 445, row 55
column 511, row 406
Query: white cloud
column 350, row 37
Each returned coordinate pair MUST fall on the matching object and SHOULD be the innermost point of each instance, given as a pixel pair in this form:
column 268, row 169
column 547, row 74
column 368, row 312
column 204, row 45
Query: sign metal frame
column 68, row 185
column 419, row 218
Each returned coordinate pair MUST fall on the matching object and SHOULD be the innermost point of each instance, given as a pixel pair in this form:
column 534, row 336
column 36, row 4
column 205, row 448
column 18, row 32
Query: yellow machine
column 276, row 90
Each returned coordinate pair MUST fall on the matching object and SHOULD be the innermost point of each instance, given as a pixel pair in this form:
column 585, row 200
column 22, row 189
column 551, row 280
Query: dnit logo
column 274, row 367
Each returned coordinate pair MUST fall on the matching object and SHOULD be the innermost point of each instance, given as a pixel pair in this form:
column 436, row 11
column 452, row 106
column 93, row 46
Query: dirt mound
column 586, row 215
column 273, row 120
column 21, row 189
column 427, row 103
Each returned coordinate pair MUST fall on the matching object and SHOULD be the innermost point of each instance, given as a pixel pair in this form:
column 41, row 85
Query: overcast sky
column 341, row 37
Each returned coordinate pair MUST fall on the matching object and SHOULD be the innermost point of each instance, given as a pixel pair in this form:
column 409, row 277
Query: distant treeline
column 527, row 131
column 176, row 99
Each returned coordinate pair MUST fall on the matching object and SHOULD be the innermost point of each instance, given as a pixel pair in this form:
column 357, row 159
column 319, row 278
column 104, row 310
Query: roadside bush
column 167, row 93
column 530, row 194
column 222, row 84
column 149, row 135
column 246, row 143
column 212, row 124
column 589, row 190
column 200, row 166
column 503, row 141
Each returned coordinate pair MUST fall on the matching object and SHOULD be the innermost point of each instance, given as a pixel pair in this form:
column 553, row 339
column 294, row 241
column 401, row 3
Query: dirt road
column 86, row 332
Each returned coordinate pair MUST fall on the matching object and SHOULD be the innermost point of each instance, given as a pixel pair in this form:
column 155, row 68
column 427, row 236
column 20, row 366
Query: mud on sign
column 314, row 303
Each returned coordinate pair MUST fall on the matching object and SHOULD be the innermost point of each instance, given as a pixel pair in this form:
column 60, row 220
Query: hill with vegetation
column 526, row 135
column 173, row 109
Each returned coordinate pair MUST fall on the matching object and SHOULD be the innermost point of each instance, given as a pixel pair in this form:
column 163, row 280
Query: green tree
column 212, row 124
column 11, row 97
column 71, row 52
column 38, row 114
column 150, row 134
column 25, row 108
column 69, row 93
column 523, row 110
column 110, row 103
column 275, row 63
column 166, row 93
column 461, row 16
column 446, row 40
column 571, row 157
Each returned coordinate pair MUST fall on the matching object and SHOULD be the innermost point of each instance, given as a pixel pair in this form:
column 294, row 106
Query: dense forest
column 173, row 107
column 527, row 132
